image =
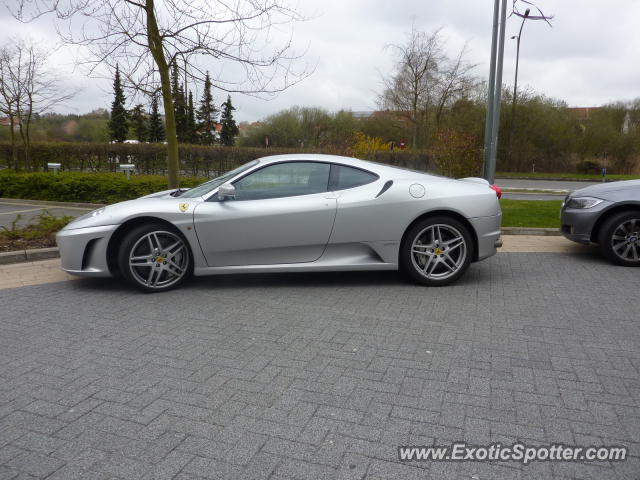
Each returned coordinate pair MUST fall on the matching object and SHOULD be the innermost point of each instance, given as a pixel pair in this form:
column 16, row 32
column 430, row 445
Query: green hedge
column 83, row 187
column 151, row 159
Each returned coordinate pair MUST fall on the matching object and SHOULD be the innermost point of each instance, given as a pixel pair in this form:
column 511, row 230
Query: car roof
column 379, row 168
column 318, row 157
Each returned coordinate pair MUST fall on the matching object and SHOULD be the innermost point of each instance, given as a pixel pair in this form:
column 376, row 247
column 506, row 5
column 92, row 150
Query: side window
column 343, row 177
column 284, row 180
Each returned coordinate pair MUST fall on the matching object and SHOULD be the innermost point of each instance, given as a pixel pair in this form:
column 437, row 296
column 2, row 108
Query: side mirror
column 226, row 191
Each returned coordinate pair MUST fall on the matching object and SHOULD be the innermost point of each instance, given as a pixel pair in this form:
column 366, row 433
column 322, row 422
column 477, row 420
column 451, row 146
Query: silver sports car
column 291, row 213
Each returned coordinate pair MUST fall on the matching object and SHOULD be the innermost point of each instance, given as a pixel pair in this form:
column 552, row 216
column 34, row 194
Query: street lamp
column 127, row 168
column 515, row 83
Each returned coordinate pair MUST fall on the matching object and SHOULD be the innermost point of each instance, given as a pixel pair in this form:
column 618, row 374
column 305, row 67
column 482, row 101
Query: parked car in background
column 291, row 213
column 609, row 215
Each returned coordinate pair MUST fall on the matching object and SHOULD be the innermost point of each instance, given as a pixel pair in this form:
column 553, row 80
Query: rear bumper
column 488, row 232
column 83, row 251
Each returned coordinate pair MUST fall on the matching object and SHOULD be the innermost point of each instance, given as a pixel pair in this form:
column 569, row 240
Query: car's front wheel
column 436, row 251
column 154, row 258
column 619, row 239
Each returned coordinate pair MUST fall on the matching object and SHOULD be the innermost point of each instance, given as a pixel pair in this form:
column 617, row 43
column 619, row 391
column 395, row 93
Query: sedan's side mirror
column 226, row 191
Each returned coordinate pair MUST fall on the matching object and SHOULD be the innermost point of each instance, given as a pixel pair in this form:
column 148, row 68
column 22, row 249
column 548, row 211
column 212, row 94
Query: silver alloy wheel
column 625, row 241
column 159, row 259
column 438, row 251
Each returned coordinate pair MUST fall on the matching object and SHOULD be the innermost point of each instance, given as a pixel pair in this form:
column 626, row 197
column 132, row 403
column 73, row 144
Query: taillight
column 496, row 189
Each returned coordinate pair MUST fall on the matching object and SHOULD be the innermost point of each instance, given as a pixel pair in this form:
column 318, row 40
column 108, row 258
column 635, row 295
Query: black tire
column 619, row 238
column 171, row 267
column 456, row 255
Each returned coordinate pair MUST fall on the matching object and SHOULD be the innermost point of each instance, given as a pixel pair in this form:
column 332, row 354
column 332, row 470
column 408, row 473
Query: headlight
column 582, row 202
column 95, row 213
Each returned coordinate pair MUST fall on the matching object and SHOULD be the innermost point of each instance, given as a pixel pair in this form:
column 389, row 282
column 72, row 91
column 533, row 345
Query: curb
column 30, row 255
column 543, row 232
column 26, row 201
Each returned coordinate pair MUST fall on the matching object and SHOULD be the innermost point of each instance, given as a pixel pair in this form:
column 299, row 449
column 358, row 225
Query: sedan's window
column 284, row 180
column 343, row 177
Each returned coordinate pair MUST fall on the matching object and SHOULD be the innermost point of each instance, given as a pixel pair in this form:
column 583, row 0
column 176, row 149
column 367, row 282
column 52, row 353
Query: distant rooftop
column 582, row 113
column 363, row 113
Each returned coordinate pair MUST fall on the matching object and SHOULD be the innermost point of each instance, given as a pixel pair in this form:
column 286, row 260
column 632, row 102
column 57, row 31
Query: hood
column 164, row 193
column 160, row 205
column 603, row 189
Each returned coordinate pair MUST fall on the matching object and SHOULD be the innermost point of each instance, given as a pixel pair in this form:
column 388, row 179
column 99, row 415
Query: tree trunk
column 414, row 115
column 27, row 136
column 157, row 50
column 14, row 152
column 23, row 138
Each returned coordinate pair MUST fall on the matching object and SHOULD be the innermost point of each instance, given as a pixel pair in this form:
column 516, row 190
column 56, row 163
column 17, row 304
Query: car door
column 282, row 213
column 361, row 216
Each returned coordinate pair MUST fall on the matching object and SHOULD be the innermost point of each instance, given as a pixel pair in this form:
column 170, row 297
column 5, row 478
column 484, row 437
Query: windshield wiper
column 178, row 192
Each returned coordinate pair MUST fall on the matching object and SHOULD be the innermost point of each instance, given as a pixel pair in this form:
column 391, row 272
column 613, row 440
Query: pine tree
column 207, row 115
column 118, row 126
column 191, row 121
column 229, row 128
column 139, row 123
column 156, row 128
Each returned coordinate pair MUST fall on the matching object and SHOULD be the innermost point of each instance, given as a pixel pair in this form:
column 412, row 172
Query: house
column 584, row 114
column 6, row 122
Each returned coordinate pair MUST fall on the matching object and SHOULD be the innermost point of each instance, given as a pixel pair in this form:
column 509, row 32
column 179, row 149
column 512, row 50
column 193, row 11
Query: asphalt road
column 532, row 196
column 28, row 212
column 322, row 376
column 542, row 184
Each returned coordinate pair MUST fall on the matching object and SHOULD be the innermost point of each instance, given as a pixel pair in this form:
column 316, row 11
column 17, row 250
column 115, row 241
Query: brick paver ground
column 321, row 376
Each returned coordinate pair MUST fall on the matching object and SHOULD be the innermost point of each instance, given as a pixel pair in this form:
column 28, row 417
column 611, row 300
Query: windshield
column 206, row 187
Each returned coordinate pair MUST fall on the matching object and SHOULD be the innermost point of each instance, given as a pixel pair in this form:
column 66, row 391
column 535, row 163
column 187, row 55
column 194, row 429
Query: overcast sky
column 589, row 57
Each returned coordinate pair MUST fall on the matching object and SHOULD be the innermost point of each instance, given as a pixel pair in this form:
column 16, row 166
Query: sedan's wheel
column 153, row 258
column 436, row 251
column 619, row 239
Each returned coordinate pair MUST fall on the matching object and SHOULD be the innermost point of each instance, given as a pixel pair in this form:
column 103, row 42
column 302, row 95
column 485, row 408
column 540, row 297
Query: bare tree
column 8, row 101
column 28, row 88
column 454, row 81
column 147, row 37
column 425, row 80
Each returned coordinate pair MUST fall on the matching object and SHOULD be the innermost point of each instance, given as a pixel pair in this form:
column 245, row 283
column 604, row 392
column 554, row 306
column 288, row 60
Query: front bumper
column 488, row 231
column 576, row 224
column 83, row 251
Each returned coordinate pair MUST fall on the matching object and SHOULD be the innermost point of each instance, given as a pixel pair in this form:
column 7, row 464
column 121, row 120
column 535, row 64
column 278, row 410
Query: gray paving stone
column 35, row 464
column 320, row 376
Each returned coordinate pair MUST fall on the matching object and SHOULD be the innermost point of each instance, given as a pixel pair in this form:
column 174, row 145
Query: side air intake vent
column 385, row 187
column 86, row 257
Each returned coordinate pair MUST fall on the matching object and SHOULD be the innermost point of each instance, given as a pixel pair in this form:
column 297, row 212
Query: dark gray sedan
column 606, row 214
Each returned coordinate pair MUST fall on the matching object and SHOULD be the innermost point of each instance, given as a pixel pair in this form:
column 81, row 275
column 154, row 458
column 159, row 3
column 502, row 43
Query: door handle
column 332, row 195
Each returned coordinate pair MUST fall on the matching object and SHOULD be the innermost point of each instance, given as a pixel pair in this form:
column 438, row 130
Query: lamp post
column 515, row 82
column 492, row 122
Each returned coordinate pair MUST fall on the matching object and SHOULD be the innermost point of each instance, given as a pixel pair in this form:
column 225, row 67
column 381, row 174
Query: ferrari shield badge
column 184, row 207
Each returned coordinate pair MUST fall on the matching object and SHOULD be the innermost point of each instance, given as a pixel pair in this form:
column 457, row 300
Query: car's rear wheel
column 154, row 258
column 619, row 239
column 436, row 251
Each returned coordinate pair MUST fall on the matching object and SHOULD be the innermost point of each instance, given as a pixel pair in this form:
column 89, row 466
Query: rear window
column 343, row 177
